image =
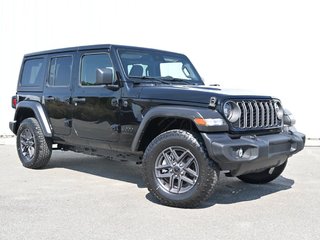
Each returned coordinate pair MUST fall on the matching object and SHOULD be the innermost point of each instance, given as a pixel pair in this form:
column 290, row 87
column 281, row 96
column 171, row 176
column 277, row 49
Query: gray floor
column 81, row 197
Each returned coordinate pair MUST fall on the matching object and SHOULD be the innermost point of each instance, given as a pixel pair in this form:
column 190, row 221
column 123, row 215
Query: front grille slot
column 256, row 114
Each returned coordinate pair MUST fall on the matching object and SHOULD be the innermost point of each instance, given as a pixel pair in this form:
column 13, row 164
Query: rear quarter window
column 33, row 73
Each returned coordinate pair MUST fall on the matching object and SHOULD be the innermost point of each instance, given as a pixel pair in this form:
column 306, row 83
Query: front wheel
column 177, row 170
column 265, row 176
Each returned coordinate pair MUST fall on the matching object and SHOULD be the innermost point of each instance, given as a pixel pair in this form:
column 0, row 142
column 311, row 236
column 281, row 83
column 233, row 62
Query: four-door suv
column 149, row 106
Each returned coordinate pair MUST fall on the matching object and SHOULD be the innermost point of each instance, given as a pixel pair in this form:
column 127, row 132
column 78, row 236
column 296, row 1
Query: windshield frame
column 196, row 81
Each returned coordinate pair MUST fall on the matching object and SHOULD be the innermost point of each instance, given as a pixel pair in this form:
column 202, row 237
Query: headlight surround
column 288, row 118
column 279, row 110
column 231, row 111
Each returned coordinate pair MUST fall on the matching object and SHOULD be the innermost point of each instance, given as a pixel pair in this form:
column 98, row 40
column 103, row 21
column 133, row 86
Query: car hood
column 195, row 94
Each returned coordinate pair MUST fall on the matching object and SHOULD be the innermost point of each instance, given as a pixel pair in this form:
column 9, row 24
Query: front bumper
column 252, row 153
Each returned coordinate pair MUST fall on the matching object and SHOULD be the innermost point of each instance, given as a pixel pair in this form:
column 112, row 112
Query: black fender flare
column 183, row 112
column 39, row 113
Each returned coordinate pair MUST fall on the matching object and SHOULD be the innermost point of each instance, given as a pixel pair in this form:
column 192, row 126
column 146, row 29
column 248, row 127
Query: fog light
column 239, row 152
column 245, row 152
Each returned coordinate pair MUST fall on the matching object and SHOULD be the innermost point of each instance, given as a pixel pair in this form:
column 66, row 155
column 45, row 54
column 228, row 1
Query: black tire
column 265, row 176
column 33, row 148
column 188, row 178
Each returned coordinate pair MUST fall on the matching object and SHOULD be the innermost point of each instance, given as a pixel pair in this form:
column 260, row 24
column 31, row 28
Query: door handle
column 67, row 100
column 76, row 99
column 50, row 98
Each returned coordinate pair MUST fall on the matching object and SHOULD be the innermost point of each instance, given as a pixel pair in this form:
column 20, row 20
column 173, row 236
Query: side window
column 33, row 72
column 89, row 65
column 60, row 71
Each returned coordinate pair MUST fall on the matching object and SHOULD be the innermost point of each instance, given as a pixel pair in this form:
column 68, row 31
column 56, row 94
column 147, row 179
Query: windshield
column 157, row 65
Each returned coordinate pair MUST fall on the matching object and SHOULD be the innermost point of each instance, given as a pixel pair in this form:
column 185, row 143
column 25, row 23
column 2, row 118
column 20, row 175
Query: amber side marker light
column 200, row 121
column 209, row 121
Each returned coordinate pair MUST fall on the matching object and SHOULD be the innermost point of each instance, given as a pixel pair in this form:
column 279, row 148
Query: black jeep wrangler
column 149, row 106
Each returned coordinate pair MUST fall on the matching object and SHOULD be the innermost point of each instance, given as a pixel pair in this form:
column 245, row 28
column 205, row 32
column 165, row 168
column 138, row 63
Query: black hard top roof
column 88, row 47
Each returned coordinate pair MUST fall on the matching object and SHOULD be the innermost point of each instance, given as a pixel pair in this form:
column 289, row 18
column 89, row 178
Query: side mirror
column 104, row 76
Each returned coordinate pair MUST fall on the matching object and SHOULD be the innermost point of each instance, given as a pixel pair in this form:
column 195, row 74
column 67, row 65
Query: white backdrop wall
column 265, row 46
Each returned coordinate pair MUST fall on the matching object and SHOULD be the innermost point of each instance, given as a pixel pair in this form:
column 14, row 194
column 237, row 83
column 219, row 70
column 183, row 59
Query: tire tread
column 43, row 148
column 212, row 173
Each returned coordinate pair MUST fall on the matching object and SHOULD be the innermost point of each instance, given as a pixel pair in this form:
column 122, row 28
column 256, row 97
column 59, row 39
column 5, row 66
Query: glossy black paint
column 110, row 118
column 57, row 100
column 125, row 116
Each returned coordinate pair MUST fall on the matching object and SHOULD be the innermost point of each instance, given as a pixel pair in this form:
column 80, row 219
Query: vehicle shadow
column 228, row 191
column 232, row 190
column 124, row 171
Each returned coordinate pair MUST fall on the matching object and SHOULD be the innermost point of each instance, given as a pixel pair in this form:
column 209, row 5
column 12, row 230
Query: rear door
column 96, row 110
column 57, row 93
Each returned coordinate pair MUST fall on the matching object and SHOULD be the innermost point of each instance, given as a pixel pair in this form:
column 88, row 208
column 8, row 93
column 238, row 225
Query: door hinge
column 115, row 102
column 68, row 123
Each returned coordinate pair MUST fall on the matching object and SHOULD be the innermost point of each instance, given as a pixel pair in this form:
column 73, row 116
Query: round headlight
column 231, row 111
column 279, row 110
column 227, row 109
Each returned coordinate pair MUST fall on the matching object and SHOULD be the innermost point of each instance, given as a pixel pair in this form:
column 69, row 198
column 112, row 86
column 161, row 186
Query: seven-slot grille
column 257, row 114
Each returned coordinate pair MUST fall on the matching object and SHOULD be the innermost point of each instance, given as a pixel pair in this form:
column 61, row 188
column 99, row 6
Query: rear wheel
column 177, row 170
column 265, row 176
column 33, row 148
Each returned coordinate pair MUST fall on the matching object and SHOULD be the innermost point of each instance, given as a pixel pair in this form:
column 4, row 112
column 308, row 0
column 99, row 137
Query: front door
column 95, row 114
column 57, row 93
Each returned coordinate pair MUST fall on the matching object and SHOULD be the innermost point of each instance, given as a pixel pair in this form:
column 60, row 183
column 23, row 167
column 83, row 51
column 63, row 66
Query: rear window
column 33, row 72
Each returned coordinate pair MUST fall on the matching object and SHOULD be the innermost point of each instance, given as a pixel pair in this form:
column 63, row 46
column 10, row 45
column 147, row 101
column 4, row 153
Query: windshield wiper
column 146, row 79
column 173, row 79
column 165, row 80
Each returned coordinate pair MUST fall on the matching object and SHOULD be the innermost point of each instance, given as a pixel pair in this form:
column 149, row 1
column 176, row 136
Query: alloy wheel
column 176, row 170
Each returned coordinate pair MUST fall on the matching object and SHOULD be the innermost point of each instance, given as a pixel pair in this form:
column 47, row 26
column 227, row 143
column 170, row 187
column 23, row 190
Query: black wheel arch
column 163, row 118
column 27, row 109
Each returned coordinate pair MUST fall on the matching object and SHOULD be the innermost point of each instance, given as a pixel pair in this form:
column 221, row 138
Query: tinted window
column 33, row 72
column 89, row 66
column 60, row 71
column 157, row 64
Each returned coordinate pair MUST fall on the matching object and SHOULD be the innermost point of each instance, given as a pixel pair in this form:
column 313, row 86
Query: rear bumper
column 12, row 126
column 252, row 153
